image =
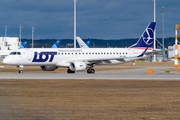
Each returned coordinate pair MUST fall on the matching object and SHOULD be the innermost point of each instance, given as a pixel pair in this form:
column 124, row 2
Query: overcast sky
column 103, row 19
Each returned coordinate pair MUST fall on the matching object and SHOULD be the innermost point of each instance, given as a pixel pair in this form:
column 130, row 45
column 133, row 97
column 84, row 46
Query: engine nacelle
column 48, row 68
column 77, row 66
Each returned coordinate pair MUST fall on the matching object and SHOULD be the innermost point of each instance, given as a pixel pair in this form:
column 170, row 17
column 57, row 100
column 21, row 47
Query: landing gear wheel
column 21, row 71
column 91, row 71
column 88, row 71
column 70, row 71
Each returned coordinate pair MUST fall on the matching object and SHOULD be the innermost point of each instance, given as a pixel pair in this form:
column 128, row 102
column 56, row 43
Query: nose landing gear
column 21, row 69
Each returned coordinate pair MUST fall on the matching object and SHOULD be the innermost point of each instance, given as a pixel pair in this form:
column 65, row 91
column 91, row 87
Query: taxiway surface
column 140, row 73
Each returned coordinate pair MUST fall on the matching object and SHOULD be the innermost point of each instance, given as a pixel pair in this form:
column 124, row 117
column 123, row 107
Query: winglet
column 55, row 44
column 23, row 45
column 143, row 53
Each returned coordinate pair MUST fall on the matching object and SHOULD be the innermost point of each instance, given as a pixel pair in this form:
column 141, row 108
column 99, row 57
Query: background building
column 7, row 45
column 171, row 53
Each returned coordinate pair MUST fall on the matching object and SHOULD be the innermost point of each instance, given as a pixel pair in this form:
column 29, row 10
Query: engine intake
column 77, row 66
column 48, row 68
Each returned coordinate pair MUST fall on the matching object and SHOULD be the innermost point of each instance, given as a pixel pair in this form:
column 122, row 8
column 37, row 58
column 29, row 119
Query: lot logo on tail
column 146, row 40
column 44, row 56
column 148, row 36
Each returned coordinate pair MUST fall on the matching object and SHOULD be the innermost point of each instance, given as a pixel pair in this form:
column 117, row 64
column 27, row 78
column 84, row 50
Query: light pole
column 20, row 33
column 6, row 27
column 155, row 30
column 75, row 23
column 162, row 10
column 32, row 35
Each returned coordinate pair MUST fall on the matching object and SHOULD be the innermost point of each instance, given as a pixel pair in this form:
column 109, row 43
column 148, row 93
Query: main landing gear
column 90, row 70
column 21, row 69
column 70, row 71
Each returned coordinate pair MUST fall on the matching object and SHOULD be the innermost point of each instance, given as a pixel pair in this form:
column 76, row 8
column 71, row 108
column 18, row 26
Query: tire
column 21, row 71
column 70, row 71
column 88, row 71
column 92, row 71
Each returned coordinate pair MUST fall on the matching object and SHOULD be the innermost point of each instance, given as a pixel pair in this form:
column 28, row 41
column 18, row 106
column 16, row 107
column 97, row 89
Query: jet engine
column 48, row 68
column 77, row 66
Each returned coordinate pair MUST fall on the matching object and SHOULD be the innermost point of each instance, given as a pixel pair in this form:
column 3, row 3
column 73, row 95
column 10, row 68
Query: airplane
column 81, row 43
column 55, row 44
column 23, row 45
column 7, row 52
column 80, row 59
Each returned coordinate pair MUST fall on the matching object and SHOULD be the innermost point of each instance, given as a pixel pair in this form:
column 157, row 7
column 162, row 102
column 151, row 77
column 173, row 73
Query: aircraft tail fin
column 55, row 44
column 87, row 43
column 146, row 40
column 23, row 45
column 81, row 43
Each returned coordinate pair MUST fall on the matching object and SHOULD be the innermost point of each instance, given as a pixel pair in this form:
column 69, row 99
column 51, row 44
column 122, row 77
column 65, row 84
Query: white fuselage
column 61, row 57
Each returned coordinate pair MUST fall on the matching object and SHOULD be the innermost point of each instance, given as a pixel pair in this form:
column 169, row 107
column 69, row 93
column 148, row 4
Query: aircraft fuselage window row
column 124, row 53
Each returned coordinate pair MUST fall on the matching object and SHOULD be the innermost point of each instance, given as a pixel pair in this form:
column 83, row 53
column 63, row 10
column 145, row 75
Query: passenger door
column 29, row 54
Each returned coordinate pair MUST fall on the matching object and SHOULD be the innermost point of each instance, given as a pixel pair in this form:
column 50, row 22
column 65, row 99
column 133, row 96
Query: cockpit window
column 18, row 53
column 15, row 53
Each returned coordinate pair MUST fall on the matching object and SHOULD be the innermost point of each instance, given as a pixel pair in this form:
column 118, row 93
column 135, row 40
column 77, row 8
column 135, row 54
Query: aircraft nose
column 6, row 60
